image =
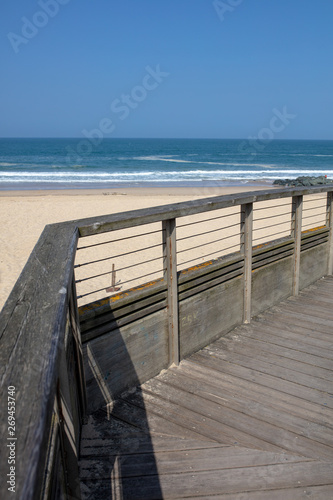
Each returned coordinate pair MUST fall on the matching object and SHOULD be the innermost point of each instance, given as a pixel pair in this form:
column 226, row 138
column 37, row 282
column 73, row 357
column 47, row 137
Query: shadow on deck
column 248, row 417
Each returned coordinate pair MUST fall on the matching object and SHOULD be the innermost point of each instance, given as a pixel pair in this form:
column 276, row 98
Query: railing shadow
column 117, row 453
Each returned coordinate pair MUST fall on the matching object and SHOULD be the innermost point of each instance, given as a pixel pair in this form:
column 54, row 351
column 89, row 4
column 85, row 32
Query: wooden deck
column 250, row 417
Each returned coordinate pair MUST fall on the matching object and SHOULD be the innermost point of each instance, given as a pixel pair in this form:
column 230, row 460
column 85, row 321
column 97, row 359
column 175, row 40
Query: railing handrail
column 122, row 220
column 32, row 331
column 33, row 320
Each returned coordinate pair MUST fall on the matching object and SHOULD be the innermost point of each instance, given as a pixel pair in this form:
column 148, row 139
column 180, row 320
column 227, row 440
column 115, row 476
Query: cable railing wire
column 117, row 256
column 207, row 232
column 272, row 235
column 308, row 207
column 265, row 227
column 122, row 284
column 318, row 198
column 204, row 244
column 257, row 209
column 207, row 220
column 159, row 271
column 207, row 255
column 313, row 217
column 311, row 208
column 271, row 216
column 120, row 239
column 118, row 270
column 313, row 225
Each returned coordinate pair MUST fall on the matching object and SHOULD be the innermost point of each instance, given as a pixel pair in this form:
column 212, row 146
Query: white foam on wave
column 222, row 164
column 306, row 154
column 152, row 176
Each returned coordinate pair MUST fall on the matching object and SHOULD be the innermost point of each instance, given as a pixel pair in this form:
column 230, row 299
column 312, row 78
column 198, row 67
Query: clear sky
column 175, row 68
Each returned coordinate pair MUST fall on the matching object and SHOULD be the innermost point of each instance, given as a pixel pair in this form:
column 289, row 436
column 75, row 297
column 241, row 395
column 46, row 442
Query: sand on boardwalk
column 24, row 215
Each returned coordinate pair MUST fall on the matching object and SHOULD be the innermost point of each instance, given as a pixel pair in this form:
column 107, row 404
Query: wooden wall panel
column 271, row 284
column 206, row 316
column 313, row 264
column 125, row 357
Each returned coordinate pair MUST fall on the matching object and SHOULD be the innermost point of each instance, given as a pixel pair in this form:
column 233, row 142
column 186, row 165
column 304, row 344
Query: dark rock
column 304, row 181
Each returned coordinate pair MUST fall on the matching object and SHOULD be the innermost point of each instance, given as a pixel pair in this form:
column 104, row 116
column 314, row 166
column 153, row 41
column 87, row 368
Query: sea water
column 95, row 163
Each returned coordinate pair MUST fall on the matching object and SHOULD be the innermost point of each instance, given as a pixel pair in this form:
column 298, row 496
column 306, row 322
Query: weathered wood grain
column 270, row 410
column 329, row 223
column 118, row 311
column 246, row 249
column 297, row 207
column 271, row 284
column 206, row 316
column 125, row 357
column 32, row 329
column 248, row 389
column 293, row 493
column 313, row 265
column 170, row 276
column 97, row 225
column 40, row 349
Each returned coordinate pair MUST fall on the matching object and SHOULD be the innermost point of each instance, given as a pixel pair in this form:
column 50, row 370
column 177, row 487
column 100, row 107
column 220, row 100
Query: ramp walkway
column 155, row 353
column 248, row 417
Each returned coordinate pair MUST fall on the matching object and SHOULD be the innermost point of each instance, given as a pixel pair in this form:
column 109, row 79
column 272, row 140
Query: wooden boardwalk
column 250, row 417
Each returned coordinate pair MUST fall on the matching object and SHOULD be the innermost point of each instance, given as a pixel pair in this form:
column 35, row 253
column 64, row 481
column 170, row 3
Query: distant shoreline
column 98, row 187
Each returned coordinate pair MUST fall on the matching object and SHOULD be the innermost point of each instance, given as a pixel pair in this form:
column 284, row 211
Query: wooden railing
column 44, row 364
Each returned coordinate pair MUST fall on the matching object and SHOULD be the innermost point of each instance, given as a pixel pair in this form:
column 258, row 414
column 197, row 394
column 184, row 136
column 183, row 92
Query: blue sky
column 177, row 68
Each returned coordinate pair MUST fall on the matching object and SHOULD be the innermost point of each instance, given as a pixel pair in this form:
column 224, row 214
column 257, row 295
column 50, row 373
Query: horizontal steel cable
column 118, row 270
column 116, row 256
column 118, row 239
column 207, row 232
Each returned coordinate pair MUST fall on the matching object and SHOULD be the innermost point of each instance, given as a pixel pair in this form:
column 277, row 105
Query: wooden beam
column 79, row 368
column 112, row 222
column 246, row 249
column 170, row 276
column 32, row 335
column 296, row 232
column 69, row 445
column 329, row 223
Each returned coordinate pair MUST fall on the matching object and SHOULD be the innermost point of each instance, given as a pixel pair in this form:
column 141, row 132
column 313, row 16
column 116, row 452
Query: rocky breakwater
column 304, row 181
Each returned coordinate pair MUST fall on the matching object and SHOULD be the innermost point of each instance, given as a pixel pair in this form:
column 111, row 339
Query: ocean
column 96, row 163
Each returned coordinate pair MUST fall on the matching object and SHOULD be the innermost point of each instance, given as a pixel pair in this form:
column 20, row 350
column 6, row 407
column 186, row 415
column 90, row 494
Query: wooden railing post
column 69, row 438
column 246, row 250
column 296, row 233
column 329, row 223
column 75, row 327
column 170, row 276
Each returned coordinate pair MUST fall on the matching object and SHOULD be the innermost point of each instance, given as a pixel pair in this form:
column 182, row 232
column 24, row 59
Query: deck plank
column 228, row 386
column 248, row 417
column 291, row 388
column 260, row 409
column 231, row 480
column 242, row 357
column 274, row 356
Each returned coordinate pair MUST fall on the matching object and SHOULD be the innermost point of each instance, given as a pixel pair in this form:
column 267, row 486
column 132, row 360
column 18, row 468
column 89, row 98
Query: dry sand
column 24, row 215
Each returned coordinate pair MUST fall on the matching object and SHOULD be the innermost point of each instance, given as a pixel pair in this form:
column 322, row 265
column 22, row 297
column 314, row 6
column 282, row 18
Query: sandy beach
column 24, row 214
